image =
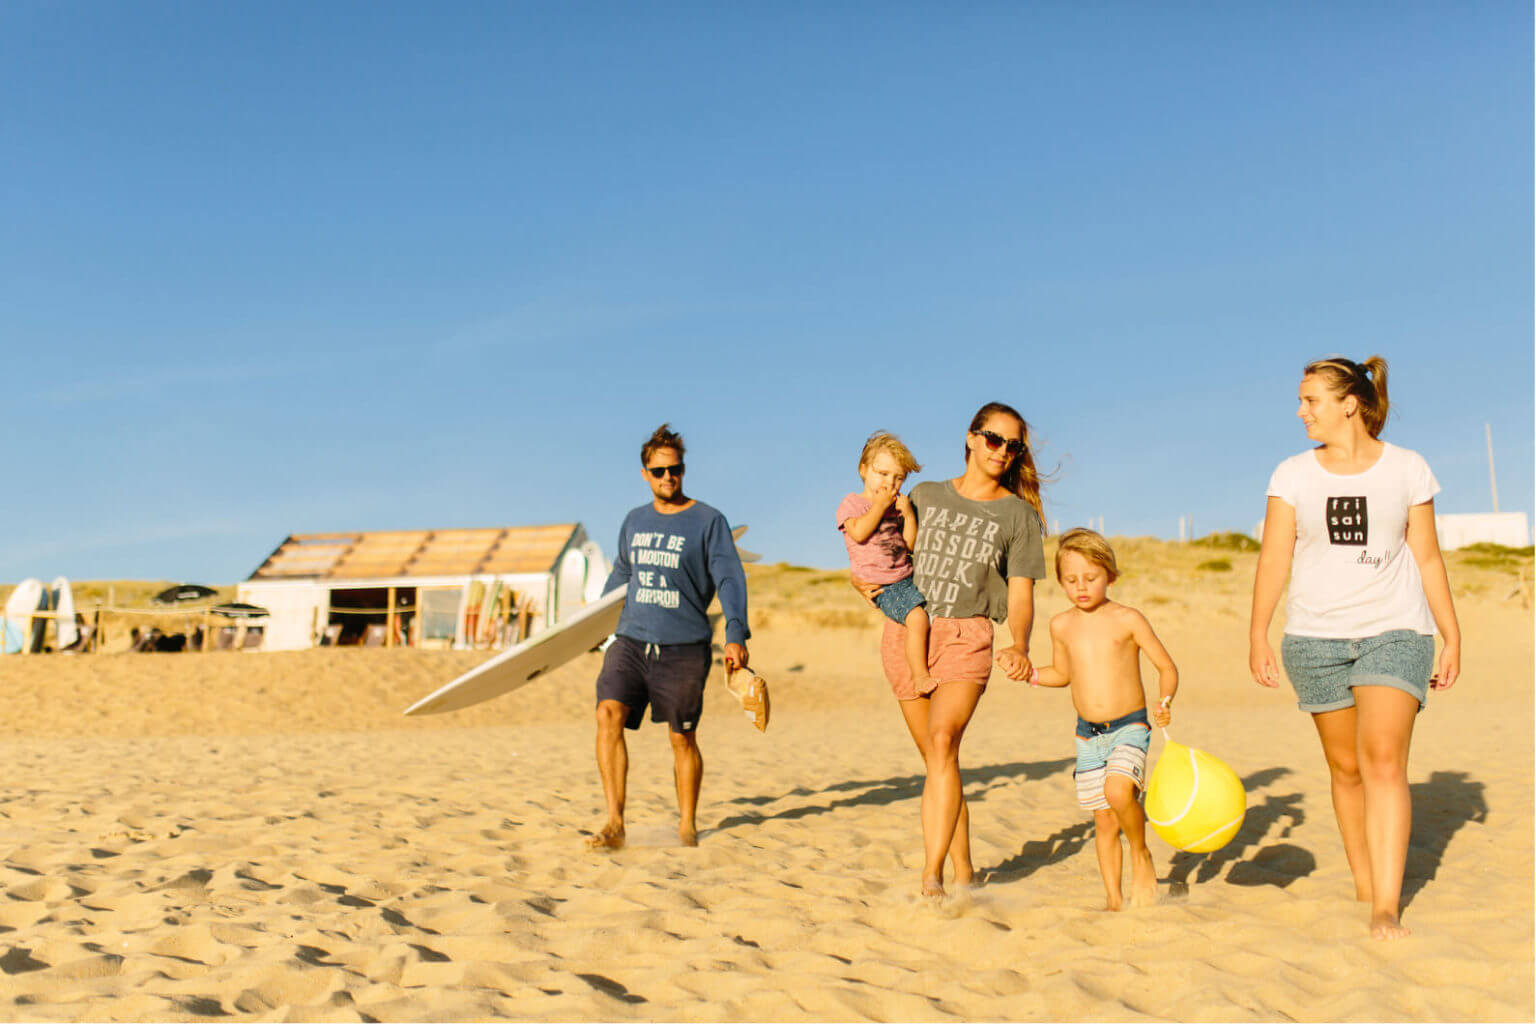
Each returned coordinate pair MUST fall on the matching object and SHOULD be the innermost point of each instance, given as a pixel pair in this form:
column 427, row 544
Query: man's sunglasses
column 996, row 441
column 676, row 469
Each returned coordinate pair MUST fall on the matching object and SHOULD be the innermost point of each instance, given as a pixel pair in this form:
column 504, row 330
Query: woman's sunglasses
column 676, row 469
column 996, row 441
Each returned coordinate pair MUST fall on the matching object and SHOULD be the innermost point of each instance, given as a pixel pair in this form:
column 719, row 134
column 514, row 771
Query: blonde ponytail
column 1375, row 412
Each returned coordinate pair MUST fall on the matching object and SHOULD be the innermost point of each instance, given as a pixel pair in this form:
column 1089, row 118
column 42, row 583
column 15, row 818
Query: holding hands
column 1014, row 662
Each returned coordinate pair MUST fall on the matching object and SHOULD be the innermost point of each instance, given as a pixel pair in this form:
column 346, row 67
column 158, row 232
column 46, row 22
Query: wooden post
column 96, row 633
column 1493, row 481
column 389, row 620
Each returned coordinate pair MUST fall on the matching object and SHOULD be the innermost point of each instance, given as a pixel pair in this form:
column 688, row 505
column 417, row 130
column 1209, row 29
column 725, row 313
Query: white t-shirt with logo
column 1352, row 574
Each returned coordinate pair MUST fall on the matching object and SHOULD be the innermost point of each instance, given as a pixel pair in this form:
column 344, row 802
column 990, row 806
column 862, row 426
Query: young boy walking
column 1096, row 646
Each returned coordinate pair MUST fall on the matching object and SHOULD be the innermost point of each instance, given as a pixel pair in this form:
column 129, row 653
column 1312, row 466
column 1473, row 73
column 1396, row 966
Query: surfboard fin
column 741, row 552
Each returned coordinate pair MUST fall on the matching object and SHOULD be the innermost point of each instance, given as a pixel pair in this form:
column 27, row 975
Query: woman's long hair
column 1021, row 477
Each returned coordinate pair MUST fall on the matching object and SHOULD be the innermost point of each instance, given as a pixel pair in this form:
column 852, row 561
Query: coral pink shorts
column 959, row 651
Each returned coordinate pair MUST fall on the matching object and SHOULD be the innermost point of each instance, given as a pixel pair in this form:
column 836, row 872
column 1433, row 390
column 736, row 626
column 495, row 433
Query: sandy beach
column 264, row 837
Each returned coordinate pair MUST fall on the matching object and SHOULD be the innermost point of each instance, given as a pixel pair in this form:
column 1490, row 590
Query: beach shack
column 424, row 588
column 1461, row 529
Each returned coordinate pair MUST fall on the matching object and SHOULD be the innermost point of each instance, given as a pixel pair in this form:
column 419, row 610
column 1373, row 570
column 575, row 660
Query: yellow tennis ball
column 1194, row 801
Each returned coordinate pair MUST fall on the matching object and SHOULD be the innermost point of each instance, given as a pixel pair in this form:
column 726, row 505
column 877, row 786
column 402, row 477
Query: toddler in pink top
column 879, row 529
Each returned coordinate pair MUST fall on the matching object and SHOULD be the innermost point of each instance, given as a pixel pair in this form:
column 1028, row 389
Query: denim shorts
column 898, row 599
column 1324, row 671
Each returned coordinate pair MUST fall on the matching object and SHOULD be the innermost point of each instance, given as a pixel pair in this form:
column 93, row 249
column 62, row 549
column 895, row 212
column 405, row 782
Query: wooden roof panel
column 391, row 553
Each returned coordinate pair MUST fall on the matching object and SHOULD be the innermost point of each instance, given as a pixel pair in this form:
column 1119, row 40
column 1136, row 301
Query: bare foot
column 1143, row 878
column 609, row 837
column 688, row 835
column 933, row 890
column 1385, row 925
column 1113, row 901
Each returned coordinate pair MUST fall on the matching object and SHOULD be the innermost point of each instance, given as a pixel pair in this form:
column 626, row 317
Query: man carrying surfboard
column 674, row 555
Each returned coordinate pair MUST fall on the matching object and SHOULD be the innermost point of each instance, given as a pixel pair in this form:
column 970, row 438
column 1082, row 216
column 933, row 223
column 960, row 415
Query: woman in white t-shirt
column 1352, row 523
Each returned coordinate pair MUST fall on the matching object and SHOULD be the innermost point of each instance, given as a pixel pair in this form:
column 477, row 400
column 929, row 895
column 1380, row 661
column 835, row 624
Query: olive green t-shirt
column 967, row 550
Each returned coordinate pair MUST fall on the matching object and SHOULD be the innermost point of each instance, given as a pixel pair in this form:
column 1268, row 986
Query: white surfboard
column 23, row 631
column 520, row 665
column 64, row 614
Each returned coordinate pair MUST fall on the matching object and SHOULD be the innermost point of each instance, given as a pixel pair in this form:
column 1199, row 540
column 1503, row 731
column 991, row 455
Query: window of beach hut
column 355, row 609
column 439, row 615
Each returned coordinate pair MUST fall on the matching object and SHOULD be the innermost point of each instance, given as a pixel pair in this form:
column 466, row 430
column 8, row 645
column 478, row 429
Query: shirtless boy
column 1096, row 646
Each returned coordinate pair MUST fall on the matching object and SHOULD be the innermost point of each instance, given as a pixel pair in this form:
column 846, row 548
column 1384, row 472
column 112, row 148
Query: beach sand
column 264, row 837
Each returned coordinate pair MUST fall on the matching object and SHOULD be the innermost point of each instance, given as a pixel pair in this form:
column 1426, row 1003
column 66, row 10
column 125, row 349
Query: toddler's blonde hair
column 885, row 441
column 1091, row 546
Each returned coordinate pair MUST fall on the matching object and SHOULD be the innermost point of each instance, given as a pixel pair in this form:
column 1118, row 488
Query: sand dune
column 264, row 837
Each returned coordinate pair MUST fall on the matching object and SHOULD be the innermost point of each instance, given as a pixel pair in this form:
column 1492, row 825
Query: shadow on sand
column 1278, row 864
column 1039, row 853
column 1441, row 807
column 865, row 792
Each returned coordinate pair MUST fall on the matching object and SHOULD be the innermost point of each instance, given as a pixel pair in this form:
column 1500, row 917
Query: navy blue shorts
column 898, row 599
column 668, row 677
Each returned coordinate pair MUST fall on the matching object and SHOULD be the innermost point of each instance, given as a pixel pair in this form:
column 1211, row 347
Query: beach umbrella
column 240, row 610
column 183, row 592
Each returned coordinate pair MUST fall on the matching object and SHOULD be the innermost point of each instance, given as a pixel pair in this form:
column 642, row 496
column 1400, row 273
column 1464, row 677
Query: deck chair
column 83, row 643
column 253, row 637
column 332, row 635
column 224, row 638
column 373, row 636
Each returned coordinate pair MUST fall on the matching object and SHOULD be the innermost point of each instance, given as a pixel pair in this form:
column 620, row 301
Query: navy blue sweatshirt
column 673, row 565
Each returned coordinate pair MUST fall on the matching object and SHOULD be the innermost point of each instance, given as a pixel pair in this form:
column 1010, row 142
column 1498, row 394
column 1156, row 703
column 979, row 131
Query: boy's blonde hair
column 885, row 441
column 1091, row 546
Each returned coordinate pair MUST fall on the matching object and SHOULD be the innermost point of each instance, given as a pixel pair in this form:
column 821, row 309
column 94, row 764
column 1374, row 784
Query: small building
column 424, row 588
column 1459, row 529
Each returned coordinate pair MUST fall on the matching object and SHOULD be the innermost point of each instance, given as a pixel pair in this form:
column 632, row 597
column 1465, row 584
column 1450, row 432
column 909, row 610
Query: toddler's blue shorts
column 1324, row 671
column 898, row 599
column 1118, row 747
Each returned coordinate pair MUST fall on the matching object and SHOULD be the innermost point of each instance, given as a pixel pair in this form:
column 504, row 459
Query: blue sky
column 270, row 268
